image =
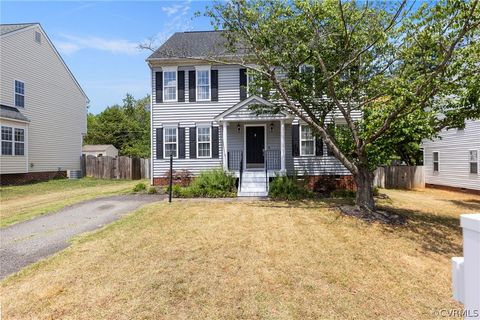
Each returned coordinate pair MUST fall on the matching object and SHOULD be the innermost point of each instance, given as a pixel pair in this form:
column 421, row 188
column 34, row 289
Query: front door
column 255, row 141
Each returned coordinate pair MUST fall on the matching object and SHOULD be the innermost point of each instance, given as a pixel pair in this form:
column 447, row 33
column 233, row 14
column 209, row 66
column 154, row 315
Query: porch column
column 282, row 146
column 225, row 147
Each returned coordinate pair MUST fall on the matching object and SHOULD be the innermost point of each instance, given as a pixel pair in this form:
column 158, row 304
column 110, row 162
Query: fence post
column 171, row 179
column 465, row 270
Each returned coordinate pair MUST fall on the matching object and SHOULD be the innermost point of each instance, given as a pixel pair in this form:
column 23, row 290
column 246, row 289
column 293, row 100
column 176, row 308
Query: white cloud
column 171, row 10
column 66, row 47
column 72, row 43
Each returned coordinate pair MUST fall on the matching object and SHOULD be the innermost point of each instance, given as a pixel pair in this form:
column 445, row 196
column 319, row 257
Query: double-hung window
column 473, row 155
column 436, row 161
column 204, row 142
column 19, row 142
column 169, row 85
column 170, row 142
column 307, row 141
column 19, row 94
column 7, row 141
column 203, row 84
column 13, row 141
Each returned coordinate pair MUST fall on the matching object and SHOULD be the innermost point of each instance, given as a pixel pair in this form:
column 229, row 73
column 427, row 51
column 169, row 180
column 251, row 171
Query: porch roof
column 241, row 112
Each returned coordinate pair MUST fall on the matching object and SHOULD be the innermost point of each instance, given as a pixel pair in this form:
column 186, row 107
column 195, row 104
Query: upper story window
column 307, row 141
column 169, row 85
column 170, row 142
column 473, row 155
column 203, row 84
column 204, row 142
column 436, row 161
column 306, row 68
column 19, row 94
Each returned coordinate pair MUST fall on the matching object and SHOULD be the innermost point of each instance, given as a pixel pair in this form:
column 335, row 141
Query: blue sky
column 98, row 40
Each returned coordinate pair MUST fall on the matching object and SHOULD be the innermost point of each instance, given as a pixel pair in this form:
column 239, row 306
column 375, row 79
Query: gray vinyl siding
column 454, row 164
column 189, row 114
column 54, row 104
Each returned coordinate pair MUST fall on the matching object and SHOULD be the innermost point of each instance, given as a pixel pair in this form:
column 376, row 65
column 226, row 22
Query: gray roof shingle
column 193, row 44
column 11, row 113
column 7, row 28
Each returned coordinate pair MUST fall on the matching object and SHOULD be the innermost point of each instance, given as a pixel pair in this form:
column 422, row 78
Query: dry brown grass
column 250, row 260
column 20, row 203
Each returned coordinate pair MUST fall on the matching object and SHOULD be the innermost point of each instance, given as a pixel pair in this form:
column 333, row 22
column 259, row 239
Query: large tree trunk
column 364, row 180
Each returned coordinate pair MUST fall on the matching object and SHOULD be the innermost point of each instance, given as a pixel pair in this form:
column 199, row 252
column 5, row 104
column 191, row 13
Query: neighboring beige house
column 43, row 108
column 452, row 161
column 100, row 150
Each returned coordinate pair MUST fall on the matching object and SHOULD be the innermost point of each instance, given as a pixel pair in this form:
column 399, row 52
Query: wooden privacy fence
column 116, row 167
column 399, row 177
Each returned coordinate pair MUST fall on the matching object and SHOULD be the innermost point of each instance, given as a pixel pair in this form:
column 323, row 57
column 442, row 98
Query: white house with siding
column 43, row 108
column 453, row 160
column 201, row 116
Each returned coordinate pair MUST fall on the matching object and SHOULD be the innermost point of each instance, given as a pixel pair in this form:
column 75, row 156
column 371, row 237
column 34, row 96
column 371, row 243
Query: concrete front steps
column 253, row 184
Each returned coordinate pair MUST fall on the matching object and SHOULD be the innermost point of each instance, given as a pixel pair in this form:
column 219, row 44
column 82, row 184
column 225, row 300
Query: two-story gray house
column 201, row 116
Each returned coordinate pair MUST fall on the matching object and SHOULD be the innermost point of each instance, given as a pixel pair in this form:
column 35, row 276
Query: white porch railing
column 466, row 269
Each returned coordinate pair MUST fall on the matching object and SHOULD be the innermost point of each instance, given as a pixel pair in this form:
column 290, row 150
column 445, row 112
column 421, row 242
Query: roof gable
column 241, row 111
column 14, row 28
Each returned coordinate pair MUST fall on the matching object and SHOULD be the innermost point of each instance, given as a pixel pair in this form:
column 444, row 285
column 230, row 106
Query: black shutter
column 192, row 95
column 243, row 84
column 181, row 143
column 181, row 86
column 295, row 141
column 159, row 146
column 158, row 87
column 318, row 146
column 214, row 75
column 193, row 142
column 215, row 151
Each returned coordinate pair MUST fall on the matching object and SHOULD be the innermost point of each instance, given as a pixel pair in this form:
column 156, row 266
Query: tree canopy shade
column 125, row 126
column 408, row 71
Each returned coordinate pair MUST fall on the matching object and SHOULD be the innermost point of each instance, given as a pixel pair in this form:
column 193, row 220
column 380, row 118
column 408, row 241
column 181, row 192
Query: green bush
column 210, row 184
column 140, row 187
column 287, row 188
column 213, row 184
column 152, row 190
column 343, row 194
column 376, row 191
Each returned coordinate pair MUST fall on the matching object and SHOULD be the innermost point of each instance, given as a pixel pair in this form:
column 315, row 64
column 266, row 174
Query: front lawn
column 221, row 259
column 20, row 203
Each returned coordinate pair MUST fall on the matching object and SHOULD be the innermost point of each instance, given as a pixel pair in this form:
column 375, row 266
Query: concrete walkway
column 27, row 242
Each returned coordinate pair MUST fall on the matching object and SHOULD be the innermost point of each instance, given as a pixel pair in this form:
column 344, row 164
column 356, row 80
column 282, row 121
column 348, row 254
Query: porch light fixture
column 238, row 127
column 271, row 127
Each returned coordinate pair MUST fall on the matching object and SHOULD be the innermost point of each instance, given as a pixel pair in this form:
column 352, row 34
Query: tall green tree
column 407, row 71
column 125, row 126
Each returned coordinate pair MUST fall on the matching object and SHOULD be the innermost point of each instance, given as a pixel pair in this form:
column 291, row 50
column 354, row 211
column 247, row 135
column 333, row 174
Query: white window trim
column 203, row 68
column 15, row 93
column 470, row 162
column 209, row 156
column 165, row 156
column 13, row 141
column 301, row 140
column 433, row 161
column 170, row 69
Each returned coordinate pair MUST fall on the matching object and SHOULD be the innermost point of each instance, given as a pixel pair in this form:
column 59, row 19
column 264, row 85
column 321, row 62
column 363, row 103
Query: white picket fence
column 466, row 269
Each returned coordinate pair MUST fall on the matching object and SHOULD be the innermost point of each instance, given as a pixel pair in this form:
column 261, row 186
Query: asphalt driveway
column 27, row 242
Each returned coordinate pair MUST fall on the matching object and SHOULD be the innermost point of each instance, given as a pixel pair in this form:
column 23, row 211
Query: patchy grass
column 251, row 260
column 20, row 203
